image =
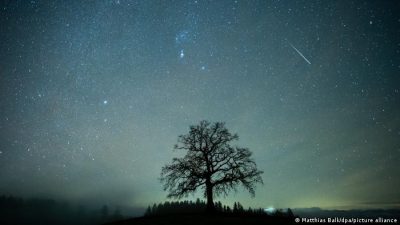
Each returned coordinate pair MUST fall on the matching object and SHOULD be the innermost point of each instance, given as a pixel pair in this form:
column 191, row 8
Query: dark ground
column 204, row 219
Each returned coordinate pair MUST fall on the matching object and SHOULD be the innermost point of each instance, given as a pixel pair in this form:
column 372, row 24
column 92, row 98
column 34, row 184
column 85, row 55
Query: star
column 182, row 37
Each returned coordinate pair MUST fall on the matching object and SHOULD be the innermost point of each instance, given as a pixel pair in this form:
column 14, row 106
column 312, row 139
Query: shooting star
column 300, row 53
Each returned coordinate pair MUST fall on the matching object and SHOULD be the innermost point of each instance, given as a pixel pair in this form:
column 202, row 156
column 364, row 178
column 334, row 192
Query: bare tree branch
column 210, row 163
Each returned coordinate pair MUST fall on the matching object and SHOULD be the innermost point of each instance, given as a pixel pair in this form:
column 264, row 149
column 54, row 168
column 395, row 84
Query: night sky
column 93, row 95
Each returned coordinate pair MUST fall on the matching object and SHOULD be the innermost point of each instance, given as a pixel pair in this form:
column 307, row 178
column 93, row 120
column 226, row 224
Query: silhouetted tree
column 290, row 213
column 218, row 206
column 148, row 211
column 240, row 207
column 211, row 163
column 154, row 209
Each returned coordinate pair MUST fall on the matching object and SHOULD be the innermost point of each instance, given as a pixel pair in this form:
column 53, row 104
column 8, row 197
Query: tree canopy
column 210, row 163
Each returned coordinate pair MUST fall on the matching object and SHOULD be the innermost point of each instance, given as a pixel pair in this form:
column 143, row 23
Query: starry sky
column 93, row 95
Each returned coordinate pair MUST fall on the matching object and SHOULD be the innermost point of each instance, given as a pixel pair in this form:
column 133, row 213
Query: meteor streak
column 300, row 53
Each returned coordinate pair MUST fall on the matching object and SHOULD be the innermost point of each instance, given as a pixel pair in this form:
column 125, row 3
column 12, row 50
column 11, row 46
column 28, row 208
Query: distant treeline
column 352, row 213
column 186, row 207
column 15, row 210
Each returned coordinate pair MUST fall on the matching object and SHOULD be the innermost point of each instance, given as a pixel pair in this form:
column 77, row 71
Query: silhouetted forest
column 15, row 210
column 199, row 206
column 196, row 213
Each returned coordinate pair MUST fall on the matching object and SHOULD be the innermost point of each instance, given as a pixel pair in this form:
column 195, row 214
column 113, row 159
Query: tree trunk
column 209, row 193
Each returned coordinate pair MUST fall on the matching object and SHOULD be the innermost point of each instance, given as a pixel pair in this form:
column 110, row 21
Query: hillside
column 201, row 219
